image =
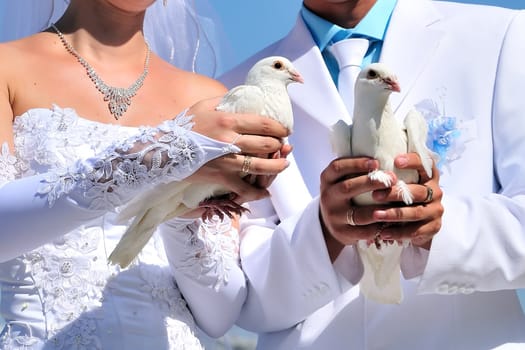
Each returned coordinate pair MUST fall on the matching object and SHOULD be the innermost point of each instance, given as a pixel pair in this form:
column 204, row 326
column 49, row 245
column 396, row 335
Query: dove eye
column 372, row 74
column 278, row 65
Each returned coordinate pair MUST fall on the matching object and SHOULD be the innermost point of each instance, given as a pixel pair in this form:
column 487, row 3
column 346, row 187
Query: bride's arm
column 204, row 257
column 36, row 209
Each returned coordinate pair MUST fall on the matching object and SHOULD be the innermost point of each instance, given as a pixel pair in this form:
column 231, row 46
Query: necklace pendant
column 119, row 101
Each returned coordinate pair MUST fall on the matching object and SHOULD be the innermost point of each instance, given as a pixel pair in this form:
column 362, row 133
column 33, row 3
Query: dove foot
column 404, row 193
column 220, row 206
column 381, row 176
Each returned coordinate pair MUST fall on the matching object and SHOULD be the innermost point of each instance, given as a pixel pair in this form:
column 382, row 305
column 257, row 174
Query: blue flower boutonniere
column 445, row 137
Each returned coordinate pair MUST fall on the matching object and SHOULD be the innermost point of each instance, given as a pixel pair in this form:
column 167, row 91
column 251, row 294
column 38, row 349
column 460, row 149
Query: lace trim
column 212, row 250
column 163, row 153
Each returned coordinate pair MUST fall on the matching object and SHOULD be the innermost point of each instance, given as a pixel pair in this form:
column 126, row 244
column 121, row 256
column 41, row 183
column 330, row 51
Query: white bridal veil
column 177, row 32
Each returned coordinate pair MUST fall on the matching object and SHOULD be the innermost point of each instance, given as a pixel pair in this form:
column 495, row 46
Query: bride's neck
column 96, row 28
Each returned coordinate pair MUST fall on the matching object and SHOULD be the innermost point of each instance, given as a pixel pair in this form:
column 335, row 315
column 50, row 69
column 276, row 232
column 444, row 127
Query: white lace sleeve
column 35, row 209
column 209, row 248
column 169, row 152
column 204, row 258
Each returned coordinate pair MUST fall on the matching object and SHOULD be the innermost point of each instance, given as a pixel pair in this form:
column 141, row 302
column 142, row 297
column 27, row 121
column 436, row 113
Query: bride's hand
column 253, row 134
column 246, row 175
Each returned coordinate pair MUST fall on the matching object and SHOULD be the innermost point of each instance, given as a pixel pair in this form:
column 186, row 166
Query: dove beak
column 392, row 84
column 296, row 76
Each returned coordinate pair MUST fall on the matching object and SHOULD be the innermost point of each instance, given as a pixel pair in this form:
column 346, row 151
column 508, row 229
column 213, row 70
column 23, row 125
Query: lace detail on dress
column 164, row 153
column 68, row 281
column 179, row 322
column 212, row 250
column 70, row 284
column 80, row 335
column 17, row 336
column 11, row 167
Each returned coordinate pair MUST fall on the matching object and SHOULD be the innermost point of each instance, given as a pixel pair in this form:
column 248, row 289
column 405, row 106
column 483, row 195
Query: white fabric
column 63, row 294
column 460, row 295
column 349, row 54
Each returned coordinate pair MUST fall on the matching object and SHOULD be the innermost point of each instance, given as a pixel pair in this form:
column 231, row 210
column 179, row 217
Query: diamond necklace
column 119, row 98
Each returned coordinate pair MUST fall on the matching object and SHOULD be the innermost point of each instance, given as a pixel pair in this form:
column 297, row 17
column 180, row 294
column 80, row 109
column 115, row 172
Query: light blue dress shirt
column 372, row 27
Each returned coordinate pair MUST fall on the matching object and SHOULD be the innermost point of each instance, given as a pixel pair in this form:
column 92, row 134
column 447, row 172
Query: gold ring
column 430, row 194
column 245, row 169
column 350, row 217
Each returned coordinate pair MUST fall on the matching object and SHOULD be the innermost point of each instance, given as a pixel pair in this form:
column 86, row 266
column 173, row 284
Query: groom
column 462, row 67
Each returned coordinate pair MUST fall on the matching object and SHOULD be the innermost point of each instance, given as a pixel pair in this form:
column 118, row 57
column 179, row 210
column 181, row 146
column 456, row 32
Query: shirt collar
column 372, row 26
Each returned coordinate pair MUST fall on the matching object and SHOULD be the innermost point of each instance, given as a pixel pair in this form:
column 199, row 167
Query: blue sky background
column 250, row 25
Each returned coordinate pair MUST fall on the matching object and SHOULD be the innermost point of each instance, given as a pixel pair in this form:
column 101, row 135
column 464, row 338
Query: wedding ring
column 236, row 139
column 245, row 169
column 350, row 217
column 430, row 195
column 231, row 147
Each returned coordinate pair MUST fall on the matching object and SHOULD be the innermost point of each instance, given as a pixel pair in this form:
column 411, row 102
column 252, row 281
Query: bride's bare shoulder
column 16, row 51
column 191, row 85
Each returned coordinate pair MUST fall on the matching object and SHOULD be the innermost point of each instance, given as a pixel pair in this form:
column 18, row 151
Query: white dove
column 376, row 133
column 264, row 93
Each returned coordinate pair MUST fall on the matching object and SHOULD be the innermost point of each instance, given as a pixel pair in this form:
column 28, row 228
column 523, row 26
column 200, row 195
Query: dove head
column 377, row 77
column 274, row 68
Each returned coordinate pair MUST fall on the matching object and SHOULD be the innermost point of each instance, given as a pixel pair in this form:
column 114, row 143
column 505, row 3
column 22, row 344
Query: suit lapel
column 318, row 96
column 410, row 42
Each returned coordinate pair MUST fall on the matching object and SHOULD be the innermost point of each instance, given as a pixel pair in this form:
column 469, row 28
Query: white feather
column 340, row 138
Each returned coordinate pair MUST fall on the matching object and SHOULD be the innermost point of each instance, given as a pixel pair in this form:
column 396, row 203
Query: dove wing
column 243, row 99
column 340, row 137
column 159, row 195
column 417, row 129
column 149, row 210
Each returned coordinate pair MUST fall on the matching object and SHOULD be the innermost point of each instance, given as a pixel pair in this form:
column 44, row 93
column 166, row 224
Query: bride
column 90, row 116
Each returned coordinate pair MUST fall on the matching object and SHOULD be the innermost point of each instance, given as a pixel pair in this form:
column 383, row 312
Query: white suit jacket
column 467, row 61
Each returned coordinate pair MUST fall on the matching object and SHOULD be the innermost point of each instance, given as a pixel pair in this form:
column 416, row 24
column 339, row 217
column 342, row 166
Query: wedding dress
column 64, row 294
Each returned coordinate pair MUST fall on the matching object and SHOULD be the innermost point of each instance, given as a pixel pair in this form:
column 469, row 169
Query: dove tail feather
column 138, row 235
column 171, row 191
column 129, row 247
column 381, row 277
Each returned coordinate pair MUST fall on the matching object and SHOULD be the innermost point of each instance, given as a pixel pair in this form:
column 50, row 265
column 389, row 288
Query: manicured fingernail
column 371, row 165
